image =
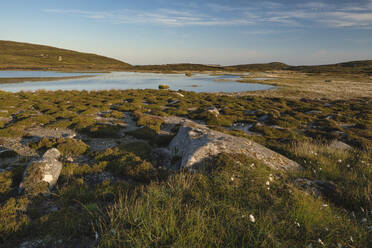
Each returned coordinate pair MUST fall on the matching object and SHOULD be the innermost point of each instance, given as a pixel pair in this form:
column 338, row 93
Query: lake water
column 133, row 80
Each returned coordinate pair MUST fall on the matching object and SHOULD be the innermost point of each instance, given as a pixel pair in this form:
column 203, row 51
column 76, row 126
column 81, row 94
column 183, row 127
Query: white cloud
column 323, row 14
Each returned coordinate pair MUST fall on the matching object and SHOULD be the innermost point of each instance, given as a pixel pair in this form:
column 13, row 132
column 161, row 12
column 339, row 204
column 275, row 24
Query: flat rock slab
column 195, row 143
column 15, row 144
column 51, row 133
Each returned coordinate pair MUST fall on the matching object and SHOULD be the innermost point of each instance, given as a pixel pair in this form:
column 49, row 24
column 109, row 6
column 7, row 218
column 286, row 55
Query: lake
column 131, row 80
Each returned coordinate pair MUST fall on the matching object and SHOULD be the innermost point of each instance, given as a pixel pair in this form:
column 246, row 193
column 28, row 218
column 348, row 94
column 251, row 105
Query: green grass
column 120, row 194
column 15, row 55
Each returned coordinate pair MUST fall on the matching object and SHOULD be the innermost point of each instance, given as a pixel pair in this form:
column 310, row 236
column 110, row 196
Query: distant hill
column 258, row 67
column 201, row 67
column 363, row 66
column 16, row 55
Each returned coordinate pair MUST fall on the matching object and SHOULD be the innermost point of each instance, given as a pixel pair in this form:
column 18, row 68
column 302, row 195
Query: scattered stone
column 336, row 144
column 51, row 133
column 250, row 112
column 174, row 102
column 213, row 110
column 313, row 112
column 194, row 143
column 263, row 118
column 179, row 94
column 32, row 244
column 40, row 176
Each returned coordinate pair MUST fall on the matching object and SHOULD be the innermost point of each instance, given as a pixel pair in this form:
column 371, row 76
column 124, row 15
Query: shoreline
column 38, row 79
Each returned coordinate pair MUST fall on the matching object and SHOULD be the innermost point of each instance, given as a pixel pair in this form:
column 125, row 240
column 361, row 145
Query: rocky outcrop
column 339, row 145
column 317, row 188
column 195, row 143
column 40, row 176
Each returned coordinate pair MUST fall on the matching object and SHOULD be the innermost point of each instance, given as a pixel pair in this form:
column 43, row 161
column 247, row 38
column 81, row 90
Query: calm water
column 133, row 80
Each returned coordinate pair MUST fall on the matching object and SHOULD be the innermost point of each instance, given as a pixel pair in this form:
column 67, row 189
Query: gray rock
column 317, row 188
column 263, row 118
column 213, row 110
column 195, row 143
column 32, row 244
column 336, row 144
column 6, row 153
column 162, row 157
column 40, row 176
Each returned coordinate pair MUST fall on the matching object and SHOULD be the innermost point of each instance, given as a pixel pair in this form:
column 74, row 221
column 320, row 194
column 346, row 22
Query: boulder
column 213, row 110
column 6, row 153
column 317, row 188
column 40, row 176
column 339, row 145
column 195, row 143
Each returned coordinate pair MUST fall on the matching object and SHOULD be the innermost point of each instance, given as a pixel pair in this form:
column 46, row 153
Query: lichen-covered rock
column 41, row 176
column 195, row 143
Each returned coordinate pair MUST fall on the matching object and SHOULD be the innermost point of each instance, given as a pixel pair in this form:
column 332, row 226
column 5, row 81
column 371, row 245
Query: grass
column 26, row 56
column 120, row 195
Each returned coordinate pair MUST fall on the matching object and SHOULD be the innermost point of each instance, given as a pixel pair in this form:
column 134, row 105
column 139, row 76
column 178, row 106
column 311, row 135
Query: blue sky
column 210, row 32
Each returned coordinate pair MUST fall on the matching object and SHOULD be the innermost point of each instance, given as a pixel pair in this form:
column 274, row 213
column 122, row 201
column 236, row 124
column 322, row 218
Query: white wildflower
column 252, row 219
column 232, row 178
column 348, row 166
column 325, row 205
column 271, row 178
column 320, row 242
column 340, row 161
column 267, row 183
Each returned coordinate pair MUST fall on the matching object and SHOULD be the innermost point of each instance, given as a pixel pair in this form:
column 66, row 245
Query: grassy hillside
column 364, row 66
column 347, row 67
column 15, row 55
column 200, row 67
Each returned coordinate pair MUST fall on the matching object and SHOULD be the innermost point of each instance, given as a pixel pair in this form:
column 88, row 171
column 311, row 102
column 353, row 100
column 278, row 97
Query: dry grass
column 300, row 85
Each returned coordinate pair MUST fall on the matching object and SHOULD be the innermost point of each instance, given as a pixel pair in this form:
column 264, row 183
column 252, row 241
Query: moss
column 13, row 217
column 102, row 131
column 152, row 122
column 71, row 147
column 33, row 184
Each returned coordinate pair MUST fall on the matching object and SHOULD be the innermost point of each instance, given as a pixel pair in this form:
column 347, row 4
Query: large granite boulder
column 40, row 176
column 195, row 143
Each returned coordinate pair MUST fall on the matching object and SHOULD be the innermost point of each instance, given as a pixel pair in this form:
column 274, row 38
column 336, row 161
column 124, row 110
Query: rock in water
column 195, row 143
column 41, row 176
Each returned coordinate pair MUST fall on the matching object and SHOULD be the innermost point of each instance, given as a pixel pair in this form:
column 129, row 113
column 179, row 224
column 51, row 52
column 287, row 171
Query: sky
column 222, row 32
